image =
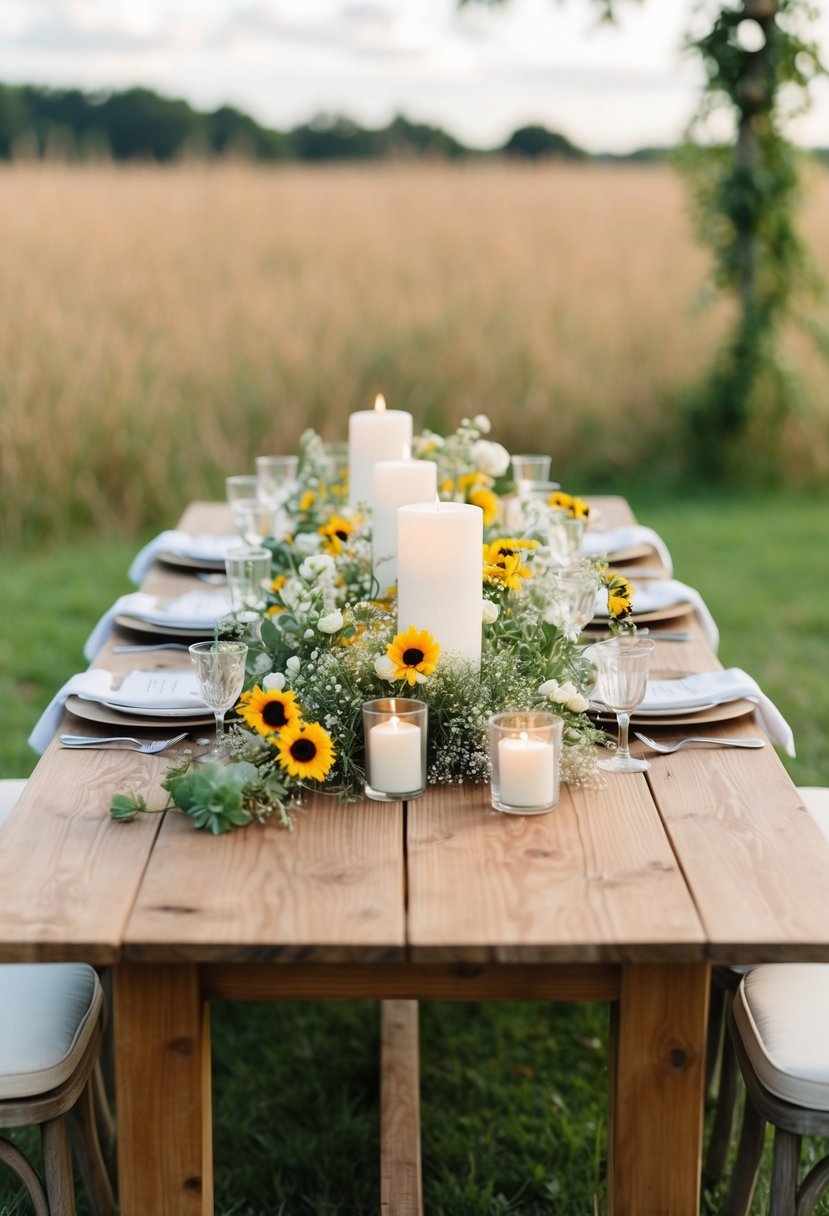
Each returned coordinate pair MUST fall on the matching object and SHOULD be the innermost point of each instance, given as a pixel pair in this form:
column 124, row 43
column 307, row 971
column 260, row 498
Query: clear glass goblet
column 253, row 520
column 565, row 536
column 220, row 671
column 241, row 486
column 574, row 597
column 622, row 665
column 276, row 478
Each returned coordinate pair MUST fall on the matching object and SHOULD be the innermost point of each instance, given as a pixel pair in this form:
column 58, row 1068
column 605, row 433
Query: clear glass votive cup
column 525, row 755
column 395, row 735
column 248, row 578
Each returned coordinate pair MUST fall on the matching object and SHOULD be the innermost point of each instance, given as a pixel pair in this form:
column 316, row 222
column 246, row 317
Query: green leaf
column 125, row 807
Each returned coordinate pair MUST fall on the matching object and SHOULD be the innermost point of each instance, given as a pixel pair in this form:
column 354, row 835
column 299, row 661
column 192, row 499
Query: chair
column 725, row 983
column 51, row 1020
column 778, row 1025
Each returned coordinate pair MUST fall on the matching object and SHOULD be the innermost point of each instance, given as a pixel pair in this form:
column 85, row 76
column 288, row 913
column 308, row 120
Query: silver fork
column 149, row 747
column 667, row 748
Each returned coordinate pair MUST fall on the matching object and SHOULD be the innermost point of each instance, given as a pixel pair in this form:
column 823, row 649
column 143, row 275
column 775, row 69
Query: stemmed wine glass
column 220, row 671
column 622, row 664
column 276, row 478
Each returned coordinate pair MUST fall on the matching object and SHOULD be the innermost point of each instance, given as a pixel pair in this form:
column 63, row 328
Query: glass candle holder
column 395, row 733
column 248, row 578
column 525, row 754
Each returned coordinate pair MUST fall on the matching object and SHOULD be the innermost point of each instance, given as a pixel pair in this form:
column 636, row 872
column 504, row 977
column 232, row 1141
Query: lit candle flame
column 380, row 404
column 523, row 737
column 394, row 722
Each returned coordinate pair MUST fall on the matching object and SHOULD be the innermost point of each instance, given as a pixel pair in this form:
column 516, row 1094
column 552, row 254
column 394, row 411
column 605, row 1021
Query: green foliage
column 745, row 195
column 213, row 794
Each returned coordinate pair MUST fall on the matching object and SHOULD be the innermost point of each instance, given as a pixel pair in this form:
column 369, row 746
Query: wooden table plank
column 68, row 873
column 332, row 890
column 755, row 861
column 578, row 884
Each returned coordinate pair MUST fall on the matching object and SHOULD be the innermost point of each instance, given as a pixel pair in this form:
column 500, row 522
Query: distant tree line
column 141, row 124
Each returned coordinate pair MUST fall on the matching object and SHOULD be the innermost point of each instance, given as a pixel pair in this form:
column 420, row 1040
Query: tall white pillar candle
column 396, row 483
column 373, row 435
column 393, row 761
column 527, row 769
column 440, row 575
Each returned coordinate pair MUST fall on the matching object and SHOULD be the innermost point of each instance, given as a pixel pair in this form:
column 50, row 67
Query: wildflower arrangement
column 327, row 643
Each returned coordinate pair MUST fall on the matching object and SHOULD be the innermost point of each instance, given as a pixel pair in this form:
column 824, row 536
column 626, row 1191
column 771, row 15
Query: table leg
column 162, row 1091
column 657, row 1090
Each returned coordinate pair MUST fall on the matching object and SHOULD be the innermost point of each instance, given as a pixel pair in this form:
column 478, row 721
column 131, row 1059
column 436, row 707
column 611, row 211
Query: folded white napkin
column 95, row 681
column 719, row 687
column 167, row 690
column 204, row 546
column 654, row 596
column 597, row 544
column 196, row 610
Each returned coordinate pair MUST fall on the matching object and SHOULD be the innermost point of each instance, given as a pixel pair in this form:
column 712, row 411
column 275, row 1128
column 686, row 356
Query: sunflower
column 307, row 500
column 414, row 654
column 305, row 750
column 268, row 711
column 577, row 507
column 619, row 597
column 503, row 563
column 336, row 531
column 488, row 502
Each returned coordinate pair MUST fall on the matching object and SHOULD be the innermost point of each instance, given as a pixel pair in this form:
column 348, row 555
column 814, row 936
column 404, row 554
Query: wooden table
column 627, row 895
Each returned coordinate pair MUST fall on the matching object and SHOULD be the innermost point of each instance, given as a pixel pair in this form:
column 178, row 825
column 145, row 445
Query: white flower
column 490, row 458
column 274, row 681
column 565, row 694
column 307, row 542
column 554, row 614
column 489, row 612
column 481, row 423
column 308, row 634
column 316, row 565
column 293, row 665
column 331, row 623
column 384, row 666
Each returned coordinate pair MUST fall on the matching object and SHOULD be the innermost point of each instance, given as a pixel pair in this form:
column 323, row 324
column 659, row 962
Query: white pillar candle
column 440, row 575
column 396, row 483
column 394, row 757
column 527, row 770
column 373, row 435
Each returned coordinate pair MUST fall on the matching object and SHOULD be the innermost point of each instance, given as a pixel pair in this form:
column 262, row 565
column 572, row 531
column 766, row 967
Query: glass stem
column 623, row 749
column 219, row 715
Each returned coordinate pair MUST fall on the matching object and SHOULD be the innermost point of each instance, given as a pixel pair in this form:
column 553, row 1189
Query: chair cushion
column 816, row 800
column 781, row 1011
column 48, row 1012
column 10, row 790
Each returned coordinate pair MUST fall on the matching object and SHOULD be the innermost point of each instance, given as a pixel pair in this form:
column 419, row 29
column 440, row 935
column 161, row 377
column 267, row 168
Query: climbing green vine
column 759, row 62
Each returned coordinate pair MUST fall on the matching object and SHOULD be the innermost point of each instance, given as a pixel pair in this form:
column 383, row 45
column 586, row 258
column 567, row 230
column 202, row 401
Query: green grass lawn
column 514, row 1096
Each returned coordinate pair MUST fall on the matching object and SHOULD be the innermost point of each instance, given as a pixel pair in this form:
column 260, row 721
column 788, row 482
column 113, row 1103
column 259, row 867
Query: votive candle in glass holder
column 395, row 734
column 525, row 755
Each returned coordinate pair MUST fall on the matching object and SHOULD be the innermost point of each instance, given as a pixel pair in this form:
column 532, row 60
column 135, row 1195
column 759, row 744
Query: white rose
column 481, row 423
column 308, row 634
column 315, row 565
column 491, row 458
column 274, row 682
column 578, row 704
column 331, row 623
column 385, row 667
column 489, row 612
column 307, row 542
column 293, row 665
column 553, row 690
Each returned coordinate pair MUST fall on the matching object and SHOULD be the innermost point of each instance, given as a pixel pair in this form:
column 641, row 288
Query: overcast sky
column 480, row 71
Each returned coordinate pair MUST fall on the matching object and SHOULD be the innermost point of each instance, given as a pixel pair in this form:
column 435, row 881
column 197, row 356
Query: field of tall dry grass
column 160, row 327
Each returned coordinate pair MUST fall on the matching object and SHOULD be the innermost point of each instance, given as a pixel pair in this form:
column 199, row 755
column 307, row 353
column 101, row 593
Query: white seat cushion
column 48, row 1012
column 781, row 1011
column 10, row 790
column 816, row 800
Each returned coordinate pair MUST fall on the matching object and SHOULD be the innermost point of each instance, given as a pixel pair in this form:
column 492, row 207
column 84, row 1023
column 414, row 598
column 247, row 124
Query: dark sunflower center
column 274, row 714
column 507, row 552
column 303, row 750
column 341, row 534
column 412, row 656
